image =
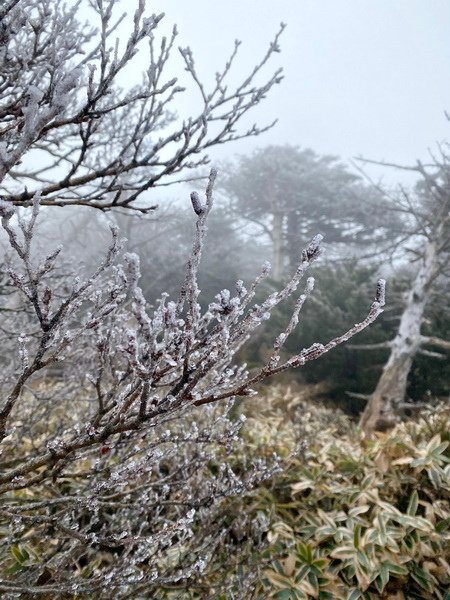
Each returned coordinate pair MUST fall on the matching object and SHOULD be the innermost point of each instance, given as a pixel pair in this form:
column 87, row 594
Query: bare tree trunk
column 294, row 241
column 277, row 246
column 391, row 387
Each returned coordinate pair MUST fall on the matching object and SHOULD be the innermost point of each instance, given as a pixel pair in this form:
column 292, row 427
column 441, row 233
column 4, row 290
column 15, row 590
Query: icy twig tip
column 380, row 295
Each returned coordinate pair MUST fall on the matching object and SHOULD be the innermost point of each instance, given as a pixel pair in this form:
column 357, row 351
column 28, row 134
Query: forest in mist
column 269, row 204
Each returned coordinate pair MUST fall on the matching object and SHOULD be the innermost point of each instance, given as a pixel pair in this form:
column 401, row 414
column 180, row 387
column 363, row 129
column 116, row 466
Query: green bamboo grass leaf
column 379, row 584
column 20, row 554
column 425, row 580
column 357, row 536
column 324, row 595
column 363, row 559
column 284, row 595
column 304, row 570
column 359, row 510
column 413, row 503
column 15, row 568
column 442, row 526
column 395, row 569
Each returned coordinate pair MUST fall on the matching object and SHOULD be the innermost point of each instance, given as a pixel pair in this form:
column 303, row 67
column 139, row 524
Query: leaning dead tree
column 427, row 229
column 68, row 129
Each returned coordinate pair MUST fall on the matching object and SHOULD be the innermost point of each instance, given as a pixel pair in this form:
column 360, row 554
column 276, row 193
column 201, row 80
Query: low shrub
column 311, row 508
column 363, row 519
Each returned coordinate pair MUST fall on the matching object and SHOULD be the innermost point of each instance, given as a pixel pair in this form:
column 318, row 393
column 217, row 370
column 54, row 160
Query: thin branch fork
column 435, row 341
column 375, row 346
column 127, row 121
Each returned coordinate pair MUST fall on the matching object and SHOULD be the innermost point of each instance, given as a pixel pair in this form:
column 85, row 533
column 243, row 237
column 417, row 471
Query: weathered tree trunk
column 277, row 246
column 293, row 239
column 391, row 388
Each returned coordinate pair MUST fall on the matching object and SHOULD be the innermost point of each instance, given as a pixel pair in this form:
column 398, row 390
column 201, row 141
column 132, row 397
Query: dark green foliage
column 338, row 302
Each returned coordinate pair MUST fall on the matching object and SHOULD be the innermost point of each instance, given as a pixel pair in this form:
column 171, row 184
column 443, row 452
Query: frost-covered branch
column 71, row 133
column 136, row 421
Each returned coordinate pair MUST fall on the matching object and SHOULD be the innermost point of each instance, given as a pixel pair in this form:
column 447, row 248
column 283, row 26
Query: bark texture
column 380, row 411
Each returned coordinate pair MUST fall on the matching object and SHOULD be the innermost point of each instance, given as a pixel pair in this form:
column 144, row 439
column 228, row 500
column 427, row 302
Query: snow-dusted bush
column 121, row 464
column 116, row 448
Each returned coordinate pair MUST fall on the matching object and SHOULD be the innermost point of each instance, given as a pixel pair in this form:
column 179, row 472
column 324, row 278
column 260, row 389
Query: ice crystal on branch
column 146, row 418
column 118, row 450
column 98, row 144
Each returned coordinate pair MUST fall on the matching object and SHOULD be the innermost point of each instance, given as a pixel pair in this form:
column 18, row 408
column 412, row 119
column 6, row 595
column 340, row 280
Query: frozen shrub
column 117, row 455
column 125, row 478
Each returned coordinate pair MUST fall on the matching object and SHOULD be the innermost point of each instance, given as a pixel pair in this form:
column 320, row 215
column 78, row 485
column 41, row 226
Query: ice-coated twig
column 138, row 413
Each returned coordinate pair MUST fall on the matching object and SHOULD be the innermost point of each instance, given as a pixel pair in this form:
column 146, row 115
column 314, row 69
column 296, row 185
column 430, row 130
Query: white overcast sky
column 367, row 77
column 362, row 77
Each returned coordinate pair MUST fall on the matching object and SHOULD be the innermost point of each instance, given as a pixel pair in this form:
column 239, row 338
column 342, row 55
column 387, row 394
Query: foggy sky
column 362, row 77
